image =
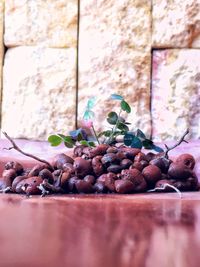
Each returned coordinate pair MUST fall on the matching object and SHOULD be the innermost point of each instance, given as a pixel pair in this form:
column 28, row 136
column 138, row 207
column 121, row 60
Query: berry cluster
column 103, row 169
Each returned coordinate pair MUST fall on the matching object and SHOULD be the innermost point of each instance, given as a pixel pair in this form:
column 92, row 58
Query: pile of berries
column 102, row 169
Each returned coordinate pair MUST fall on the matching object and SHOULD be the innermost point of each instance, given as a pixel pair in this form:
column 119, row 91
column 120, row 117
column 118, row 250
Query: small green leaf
column 128, row 138
column 123, row 127
column 140, row 134
column 112, row 118
column 54, row 140
column 147, row 143
column 116, row 97
column 84, row 142
column 105, row 133
column 91, row 102
column 157, row 148
column 91, row 144
column 136, row 143
column 88, row 114
column 125, row 106
column 69, row 145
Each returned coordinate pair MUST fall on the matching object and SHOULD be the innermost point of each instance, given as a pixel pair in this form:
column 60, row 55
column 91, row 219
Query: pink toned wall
column 56, row 54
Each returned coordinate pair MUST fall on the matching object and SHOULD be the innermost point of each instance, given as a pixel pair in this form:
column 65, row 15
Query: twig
column 45, row 187
column 164, row 187
column 8, row 189
column 24, row 153
column 177, row 144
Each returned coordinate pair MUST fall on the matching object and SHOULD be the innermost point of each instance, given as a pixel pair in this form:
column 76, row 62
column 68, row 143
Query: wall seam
column 77, row 65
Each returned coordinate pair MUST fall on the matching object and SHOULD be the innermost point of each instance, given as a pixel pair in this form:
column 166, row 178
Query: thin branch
column 177, row 144
column 14, row 146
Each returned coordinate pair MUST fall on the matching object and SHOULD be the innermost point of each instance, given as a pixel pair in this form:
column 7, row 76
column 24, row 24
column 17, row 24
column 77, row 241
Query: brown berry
column 179, row 171
column 15, row 166
column 152, row 174
column 187, row 160
column 124, row 186
column 82, row 167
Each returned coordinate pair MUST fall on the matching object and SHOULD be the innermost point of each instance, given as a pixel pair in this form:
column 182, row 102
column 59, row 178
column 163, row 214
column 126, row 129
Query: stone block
column 39, row 96
column 176, row 93
column 51, row 23
column 176, row 23
column 114, row 57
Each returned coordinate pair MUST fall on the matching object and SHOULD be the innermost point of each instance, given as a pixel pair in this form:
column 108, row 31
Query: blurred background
column 56, row 54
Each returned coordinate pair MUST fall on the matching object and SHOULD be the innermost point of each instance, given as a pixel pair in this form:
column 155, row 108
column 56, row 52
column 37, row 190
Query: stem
column 177, row 144
column 24, row 153
column 95, row 134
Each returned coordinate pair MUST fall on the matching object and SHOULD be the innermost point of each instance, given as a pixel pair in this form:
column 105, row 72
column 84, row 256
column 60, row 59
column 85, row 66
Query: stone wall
column 58, row 53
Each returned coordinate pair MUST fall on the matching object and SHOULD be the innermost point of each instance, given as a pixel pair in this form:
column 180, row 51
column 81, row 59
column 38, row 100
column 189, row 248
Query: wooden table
column 153, row 230
column 142, row 230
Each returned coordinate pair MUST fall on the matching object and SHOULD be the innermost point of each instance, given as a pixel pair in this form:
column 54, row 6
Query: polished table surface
column 100, row 231
column 141, row 230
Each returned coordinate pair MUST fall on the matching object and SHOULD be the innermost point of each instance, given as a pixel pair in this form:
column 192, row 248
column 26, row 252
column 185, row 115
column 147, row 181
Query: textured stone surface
column 176, row 93
column 51, row 23
column 39, row 92
column 114, row 57
column 176, row 23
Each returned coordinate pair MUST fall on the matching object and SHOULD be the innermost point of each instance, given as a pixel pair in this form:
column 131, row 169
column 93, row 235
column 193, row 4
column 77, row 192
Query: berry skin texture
column 151, row 174
column 187, row 160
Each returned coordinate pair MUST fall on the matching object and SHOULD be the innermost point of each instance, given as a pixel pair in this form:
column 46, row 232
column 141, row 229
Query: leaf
column 147, row 143
column 69, row 145
column 54, row 140
column 122, row 127
column 140, row 134
column 91, row 144
column 84, row 142
column 125, row 106
column 112, row 118
column 128, row 138
column 116, row 97
column 136, row 143
column 67, row 139
column 157, row 148
column 88, row 114
column 91, row 102
column 75, row 133
column 105, row 133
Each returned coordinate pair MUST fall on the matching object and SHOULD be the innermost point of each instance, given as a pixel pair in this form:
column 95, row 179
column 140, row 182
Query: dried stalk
column 164, row 187
column 14, row 146
column 182, row 139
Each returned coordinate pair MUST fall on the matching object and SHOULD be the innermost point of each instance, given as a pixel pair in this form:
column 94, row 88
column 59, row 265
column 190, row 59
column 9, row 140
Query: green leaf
column 54, row 140
column 67, row 139
column 88, row 114
column 84, row 142
column 105, row 133
column 123, row 127
column 136, row 143
column 91, row 102
column 157, row 148
column 147, row 143
column 128, row 138
column 125, row 106
column 92, row 144
column 140, row 134
column 69, row 145
column 112, row 118
column 116, row 97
